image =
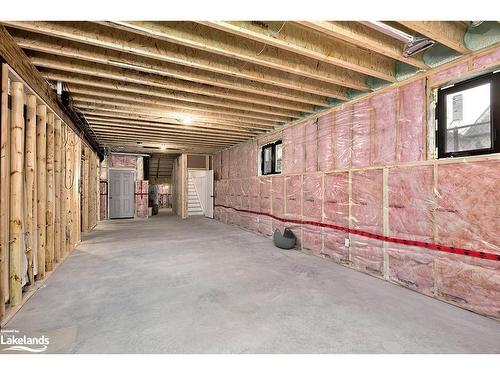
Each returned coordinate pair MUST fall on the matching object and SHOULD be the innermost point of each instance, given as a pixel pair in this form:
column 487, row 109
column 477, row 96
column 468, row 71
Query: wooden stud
column 85, row 191
column 4, row 189
column 30, row 166
column 57, row 190
column 63, row 192
column 68, row 187
column 16, row 248
column 41, row 169
column 50, row 209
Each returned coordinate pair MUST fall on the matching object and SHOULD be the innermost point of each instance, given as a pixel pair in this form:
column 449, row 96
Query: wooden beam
column 174, row 130
column 78, row 91
column 18, row 61
column 63, row 192
column 192, row 128
column 57, row 190
column 364, row 37
column 152, row 93
column 292, row 38
column 4, row 189
column 118, row 40
column 30, row 187
column 166, row 119
column 41, row 170
column 182, row 78
column 81, row 102
column 50, row 209
column 210, row 37
column 449, row 33
column 16, row 248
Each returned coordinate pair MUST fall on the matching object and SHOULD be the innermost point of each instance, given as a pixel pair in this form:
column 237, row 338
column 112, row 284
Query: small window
column 468, row 117
column 271, row 157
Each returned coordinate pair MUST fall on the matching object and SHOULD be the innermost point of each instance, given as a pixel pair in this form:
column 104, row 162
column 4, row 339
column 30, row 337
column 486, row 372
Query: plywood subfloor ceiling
column 204, row 86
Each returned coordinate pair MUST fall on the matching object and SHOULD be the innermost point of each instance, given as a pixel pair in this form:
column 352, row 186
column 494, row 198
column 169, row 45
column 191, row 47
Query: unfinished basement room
column 249, row 187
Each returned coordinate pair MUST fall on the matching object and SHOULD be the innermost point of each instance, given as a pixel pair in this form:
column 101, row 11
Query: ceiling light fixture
column 163, row 146
column 475, row 23
column 413, row 43
column 185, row 119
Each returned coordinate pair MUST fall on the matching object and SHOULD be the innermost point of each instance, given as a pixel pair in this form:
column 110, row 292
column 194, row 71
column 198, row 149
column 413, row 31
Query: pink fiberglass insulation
column 384, row 113
column 449, row 74
column 293, row 187
column 334, row 245
column 233, row 161
column 367, row 255
column 141, row 199
column 411, row 121
column 486, row 60
column 298, row 148
column 122, row 161
column 288, row 150
column 254, row 191
column 312, row 239
column 265, row 195
column 217, row 166
column 252, row 160
column 468, row 213
column 361, row 138
column 325, row 142
column 367, row 201
column 225, row 164
column 312, row 197
column 411, row 201
column 472, row 287
column 277, row 196
column 103, row 200
column 245, row 197
column 342, row 138
column 411, row 267
column 311, row 146
column 336, row 200
column 265, row 226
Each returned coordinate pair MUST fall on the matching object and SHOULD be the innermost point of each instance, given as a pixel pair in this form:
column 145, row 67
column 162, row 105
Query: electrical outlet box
column 347, row 242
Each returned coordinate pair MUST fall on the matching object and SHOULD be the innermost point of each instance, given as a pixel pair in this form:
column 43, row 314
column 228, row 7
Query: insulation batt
column 363, row 166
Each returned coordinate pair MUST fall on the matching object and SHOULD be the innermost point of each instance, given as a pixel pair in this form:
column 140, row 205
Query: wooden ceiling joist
column 172, row 128
column 291, row 37
column 77, row 90
column 165, row 119
column 205, row 37
column 81, row 101
column 117, row 39
column 365, row 37
column 220, row 85
column 130, row 75
column 449, row 33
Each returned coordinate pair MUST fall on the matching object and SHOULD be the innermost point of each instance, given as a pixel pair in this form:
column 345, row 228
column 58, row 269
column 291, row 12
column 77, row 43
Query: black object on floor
column 286, row 240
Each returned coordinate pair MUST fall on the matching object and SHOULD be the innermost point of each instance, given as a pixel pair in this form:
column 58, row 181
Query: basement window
column 469, row 118
column 271, row 158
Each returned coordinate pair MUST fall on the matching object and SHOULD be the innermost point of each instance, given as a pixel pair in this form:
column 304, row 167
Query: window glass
column 279, row 156
column 268, row 160
column 468, row 124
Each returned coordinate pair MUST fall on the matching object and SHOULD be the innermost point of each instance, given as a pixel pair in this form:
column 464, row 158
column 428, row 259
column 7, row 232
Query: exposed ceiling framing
column 202, row 86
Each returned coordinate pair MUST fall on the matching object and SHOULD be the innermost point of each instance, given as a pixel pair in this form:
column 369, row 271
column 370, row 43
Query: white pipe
column 389, row 30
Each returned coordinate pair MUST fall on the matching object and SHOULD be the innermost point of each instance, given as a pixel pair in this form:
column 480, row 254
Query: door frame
column 125, row 169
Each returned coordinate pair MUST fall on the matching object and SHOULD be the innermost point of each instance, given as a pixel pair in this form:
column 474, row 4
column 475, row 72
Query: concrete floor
column 164, row 285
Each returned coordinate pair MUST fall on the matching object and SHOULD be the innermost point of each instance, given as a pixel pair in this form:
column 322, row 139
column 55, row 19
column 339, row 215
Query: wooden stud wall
column 40, row 168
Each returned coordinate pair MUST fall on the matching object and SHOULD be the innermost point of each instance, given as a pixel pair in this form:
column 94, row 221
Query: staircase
column 194, row 206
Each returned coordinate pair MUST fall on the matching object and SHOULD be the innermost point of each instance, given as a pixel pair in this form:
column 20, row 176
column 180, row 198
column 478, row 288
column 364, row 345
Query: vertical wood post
column 4, row 189
column 57, row 190
column 63, row 193
column 85, row 190
column 49, row 250
column 69, row 187
column 17, row 193
column 41, row 181
column 30, row 161
column 76, row 191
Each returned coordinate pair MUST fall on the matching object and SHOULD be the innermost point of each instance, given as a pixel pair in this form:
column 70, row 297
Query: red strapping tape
column 427, row 245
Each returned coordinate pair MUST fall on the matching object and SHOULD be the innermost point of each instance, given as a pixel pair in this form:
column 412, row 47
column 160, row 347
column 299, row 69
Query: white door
column 203, row 182
column 121, row 194
column 209, row 211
